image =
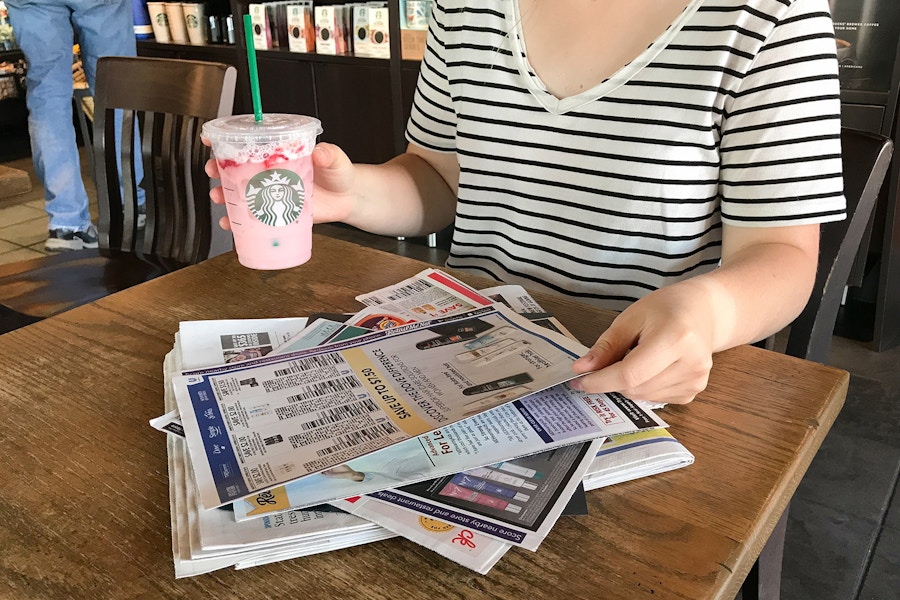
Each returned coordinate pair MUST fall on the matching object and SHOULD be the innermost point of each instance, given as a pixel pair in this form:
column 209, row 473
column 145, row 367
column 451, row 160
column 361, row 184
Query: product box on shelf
column 262, row 37
column 379, row 38
column 416, row 14
column 301, row 32
column 347, row 28
column 412, row 44
column 361, row 44
column 276, row 13
column 328, row 29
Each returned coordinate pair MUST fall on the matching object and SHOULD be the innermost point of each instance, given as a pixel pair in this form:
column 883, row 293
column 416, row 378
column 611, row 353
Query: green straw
column 254, row 73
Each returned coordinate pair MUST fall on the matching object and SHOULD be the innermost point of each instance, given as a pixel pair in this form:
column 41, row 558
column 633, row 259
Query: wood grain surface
column 85, row 503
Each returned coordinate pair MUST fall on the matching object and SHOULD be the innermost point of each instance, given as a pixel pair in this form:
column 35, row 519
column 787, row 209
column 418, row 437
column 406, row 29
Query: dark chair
column 79, row 95
column 866, row 158
column 171, row 99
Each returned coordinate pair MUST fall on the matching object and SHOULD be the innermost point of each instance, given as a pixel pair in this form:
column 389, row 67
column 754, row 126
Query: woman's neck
column 574, row 45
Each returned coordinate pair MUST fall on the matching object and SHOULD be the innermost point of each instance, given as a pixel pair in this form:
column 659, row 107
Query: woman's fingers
column 212, row 168
column 217, row 195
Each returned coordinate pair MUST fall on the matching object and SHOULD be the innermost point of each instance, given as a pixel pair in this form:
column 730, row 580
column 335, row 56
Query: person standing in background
column 46, row 31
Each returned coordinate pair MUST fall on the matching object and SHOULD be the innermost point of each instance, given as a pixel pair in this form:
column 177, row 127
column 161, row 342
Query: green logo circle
column 276, row 197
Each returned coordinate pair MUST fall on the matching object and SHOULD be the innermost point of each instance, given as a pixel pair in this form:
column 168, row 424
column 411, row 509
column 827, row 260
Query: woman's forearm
column 758, row 290
column 405, row 196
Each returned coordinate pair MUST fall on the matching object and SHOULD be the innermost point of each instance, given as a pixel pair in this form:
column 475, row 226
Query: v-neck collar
column 563, row 105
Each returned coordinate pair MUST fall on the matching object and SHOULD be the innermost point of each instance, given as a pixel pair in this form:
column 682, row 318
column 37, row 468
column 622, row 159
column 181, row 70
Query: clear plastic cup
column 267, row 177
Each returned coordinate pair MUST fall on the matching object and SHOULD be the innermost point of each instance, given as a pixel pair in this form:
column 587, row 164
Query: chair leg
column 764, row 580
column 77, row 98
column 432, row 240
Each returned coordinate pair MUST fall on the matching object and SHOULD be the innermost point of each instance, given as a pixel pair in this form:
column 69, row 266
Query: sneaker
column 62, row 241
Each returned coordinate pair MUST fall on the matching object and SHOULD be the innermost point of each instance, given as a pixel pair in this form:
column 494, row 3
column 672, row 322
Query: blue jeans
column 46, row 30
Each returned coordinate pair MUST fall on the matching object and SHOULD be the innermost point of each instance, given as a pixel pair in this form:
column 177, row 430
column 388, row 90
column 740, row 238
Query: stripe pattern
column 734, row 118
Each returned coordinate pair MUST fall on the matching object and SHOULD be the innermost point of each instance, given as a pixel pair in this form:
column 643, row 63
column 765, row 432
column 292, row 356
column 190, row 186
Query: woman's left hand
column 659, row 349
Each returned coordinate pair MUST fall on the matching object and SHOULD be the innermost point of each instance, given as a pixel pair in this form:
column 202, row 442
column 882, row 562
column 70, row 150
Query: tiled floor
column 843, row 537
column 23, row 221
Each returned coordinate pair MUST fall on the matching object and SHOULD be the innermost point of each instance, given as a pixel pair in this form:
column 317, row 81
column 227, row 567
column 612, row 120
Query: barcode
column 328, row 416
column 340, row 413
column 312, row 362
column 359, row 437
column 410, row 290
column 325, row 388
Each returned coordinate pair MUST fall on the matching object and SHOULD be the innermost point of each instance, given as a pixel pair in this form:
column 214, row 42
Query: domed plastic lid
column 274, row 127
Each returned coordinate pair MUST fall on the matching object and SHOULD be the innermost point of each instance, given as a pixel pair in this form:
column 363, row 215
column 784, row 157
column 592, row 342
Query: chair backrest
column 866, row 158
column 171, row 99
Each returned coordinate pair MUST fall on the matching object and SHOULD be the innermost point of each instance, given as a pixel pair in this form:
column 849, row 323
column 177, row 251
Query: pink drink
column 267, row 177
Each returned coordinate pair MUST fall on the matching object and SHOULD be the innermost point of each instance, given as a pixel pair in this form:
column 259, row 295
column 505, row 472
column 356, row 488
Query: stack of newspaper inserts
column 438, row 413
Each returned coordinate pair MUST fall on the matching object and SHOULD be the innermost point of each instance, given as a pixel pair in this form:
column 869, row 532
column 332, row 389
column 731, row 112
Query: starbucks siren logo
column 276, row 197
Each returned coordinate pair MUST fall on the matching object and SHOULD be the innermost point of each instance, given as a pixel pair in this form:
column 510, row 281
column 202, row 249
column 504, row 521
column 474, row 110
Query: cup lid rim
column 273, row 127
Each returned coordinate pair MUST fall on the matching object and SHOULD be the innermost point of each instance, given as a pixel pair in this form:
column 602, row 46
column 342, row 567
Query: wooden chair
column 866, row 158
column 171, row 100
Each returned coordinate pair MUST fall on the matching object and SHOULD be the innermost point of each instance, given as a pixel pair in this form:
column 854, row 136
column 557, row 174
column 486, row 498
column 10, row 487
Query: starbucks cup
column 177, row 29
column 195, row 22
column 267, row 178
column 159, row 20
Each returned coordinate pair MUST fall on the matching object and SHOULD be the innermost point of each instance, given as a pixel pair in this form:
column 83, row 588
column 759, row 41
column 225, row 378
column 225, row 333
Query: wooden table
column 84, row 490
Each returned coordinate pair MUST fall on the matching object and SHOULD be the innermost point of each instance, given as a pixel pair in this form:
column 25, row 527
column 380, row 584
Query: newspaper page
column 216, row 531
column 186, row 564
column 634, row 455
column 205, row 541
column 205, row 343
column 428, row 295
column 217, row 541
column 555, row 417
column 234, row 340
column 519, row 300
column 516, row 501
column 269, row 420
column 213, row 342
column 527, row 426
column 463, row 545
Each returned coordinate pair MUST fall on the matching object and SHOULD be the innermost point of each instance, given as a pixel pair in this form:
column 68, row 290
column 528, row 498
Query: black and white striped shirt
column 732, row 115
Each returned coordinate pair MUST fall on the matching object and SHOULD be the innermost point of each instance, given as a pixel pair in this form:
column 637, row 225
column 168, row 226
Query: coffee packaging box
column 325, row 30
column 276, row 13
column 262, row 38
column 341, row 40
column 361, row 44
column 379, row 40
column 300, row 38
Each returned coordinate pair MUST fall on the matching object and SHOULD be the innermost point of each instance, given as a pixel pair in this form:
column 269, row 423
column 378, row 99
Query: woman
column 669, row 158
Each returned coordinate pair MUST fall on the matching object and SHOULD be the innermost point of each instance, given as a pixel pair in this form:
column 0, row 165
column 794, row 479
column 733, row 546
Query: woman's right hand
column 333, row 179
column 334, row 176
column 216, row 194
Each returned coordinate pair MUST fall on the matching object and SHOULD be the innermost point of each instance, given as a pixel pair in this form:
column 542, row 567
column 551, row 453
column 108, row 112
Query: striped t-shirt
column 732, row 115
